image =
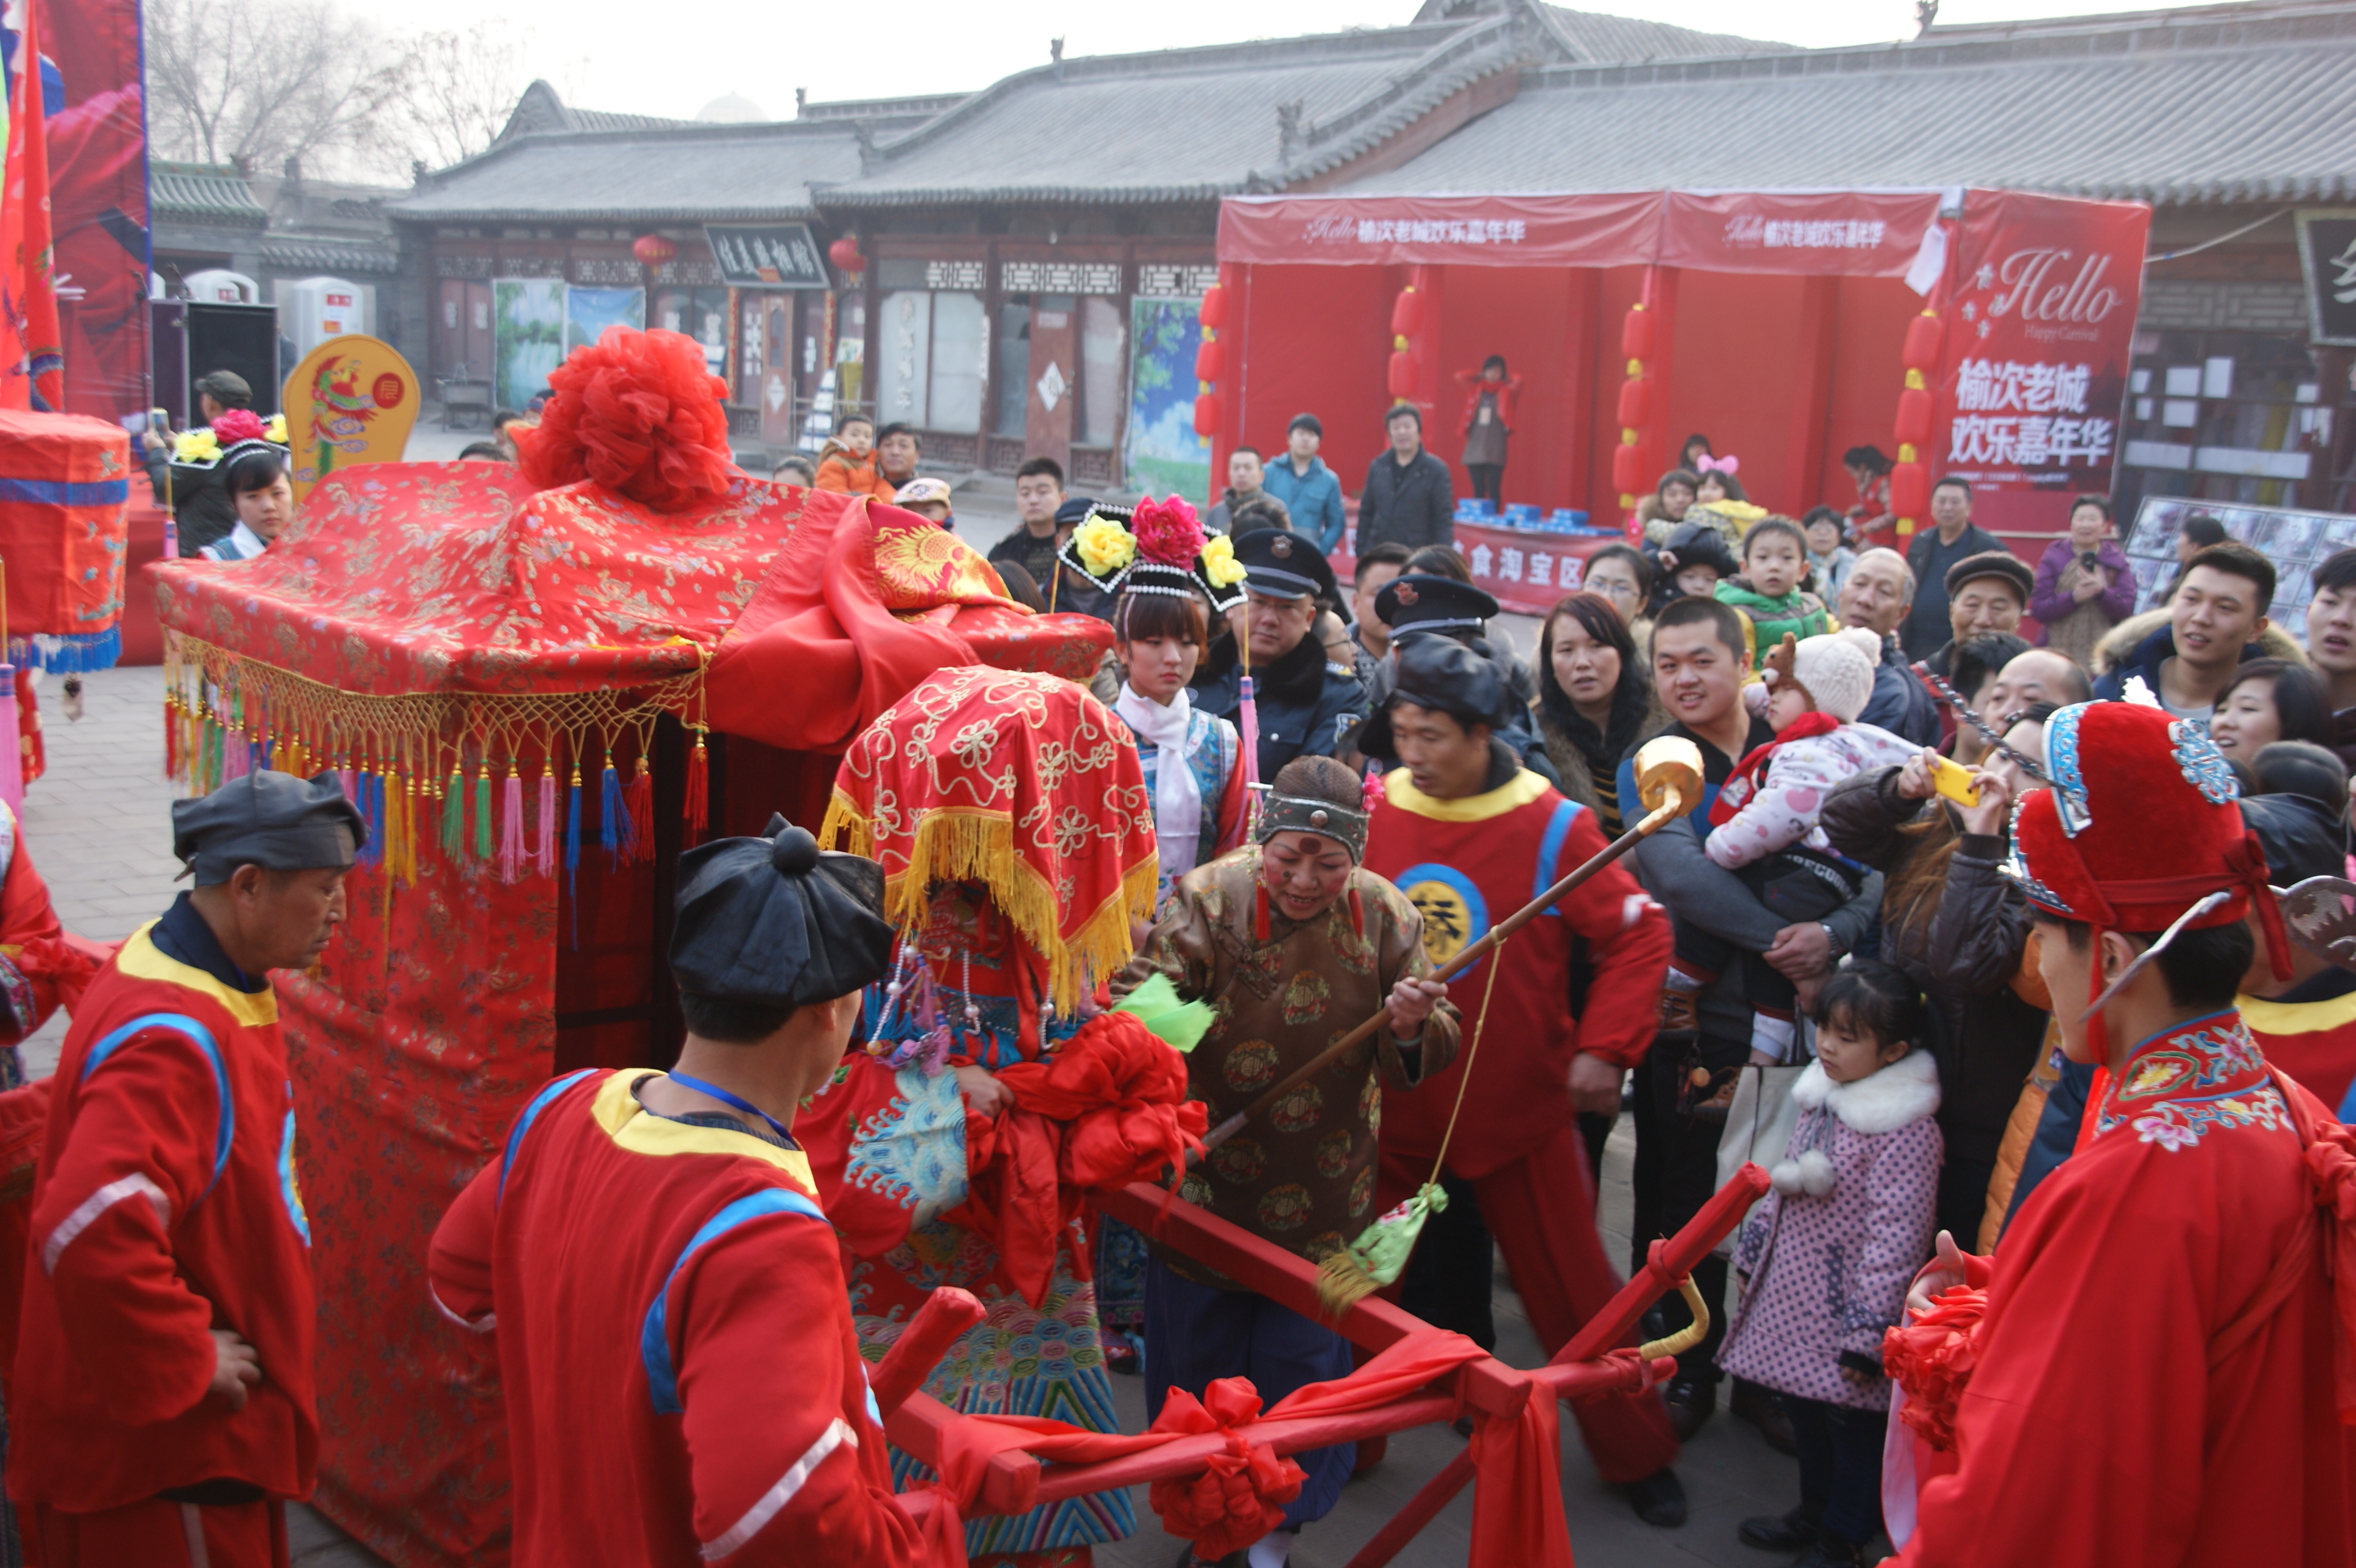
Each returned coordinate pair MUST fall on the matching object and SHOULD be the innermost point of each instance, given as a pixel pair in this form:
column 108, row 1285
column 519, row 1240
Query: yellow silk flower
column 1219, row 563
column 1105, row 546
column 276, row 429
column 196, row 447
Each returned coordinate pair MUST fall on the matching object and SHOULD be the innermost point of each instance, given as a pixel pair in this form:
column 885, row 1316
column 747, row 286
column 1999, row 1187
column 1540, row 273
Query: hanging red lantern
column 1636, row 334
column 1402, row 373
column 1923, row 337
column 1909, row 490
column 844, row 254
column 1210, row 359
column 1212, row 312
column 1210, row 413
column 1406, row 314
column 1913, row 428
column 653, row 249
column 1627, row 470
column 1635, row 402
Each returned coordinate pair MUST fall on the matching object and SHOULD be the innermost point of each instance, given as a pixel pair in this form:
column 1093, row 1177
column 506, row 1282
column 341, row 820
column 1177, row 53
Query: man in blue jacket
column 1305, row 705
column 1306, row 486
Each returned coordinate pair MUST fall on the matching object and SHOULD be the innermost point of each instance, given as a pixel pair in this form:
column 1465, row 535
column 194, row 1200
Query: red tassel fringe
column 698, row 792
column 641, row 800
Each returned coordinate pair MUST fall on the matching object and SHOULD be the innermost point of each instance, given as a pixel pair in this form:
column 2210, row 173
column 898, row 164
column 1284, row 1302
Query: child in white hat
column 1763, row 825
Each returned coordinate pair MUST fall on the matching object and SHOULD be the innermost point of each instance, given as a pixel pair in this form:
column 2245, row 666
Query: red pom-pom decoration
column 1167, row 531
column 653, row 249
column 1406, row 314
column 1212, row 312
column 1922, row 350
column 1210, row 359
column 1402, row 373
column 638, row 413
column 1909, row 490
column 1627, row 470
column 237, row 424
column 1210, row 413
column 1913, row 417
column 1635, row 402
column 1636, row 335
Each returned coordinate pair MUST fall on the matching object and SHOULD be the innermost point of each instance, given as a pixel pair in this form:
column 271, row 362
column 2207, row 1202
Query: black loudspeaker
column 240, row 337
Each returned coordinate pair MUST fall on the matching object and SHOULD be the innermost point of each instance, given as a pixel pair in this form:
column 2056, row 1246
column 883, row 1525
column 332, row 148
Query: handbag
column 1757, row 1127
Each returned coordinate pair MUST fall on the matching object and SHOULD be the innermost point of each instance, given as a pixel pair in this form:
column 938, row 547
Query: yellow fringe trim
column 978, row 846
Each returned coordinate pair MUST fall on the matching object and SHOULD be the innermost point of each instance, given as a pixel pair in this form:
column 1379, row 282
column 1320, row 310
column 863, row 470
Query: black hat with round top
column 777, row 922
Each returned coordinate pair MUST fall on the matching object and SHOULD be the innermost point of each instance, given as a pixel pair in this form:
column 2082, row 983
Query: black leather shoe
column 1690, row 1403
column 1780, row 1532
column 1660, row 1499
column 1830, row 1552
column 1762, row 1407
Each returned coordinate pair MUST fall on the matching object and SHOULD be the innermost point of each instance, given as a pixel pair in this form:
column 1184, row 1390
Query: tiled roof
column 677, row 174
column 2246, row 103
column 1594, row 36
column 539, row 109
column 304, row 253
column 1182, row 124
column 203, row 193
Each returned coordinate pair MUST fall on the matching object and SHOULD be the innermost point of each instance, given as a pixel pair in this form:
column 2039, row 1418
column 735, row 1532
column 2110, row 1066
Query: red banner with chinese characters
column 2041, row 307
column 1856, row 233
column 1526, row 573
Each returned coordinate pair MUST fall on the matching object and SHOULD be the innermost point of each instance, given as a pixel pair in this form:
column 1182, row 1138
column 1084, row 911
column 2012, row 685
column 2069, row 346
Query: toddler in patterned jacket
column 1826, row 1259
column 1763, row 824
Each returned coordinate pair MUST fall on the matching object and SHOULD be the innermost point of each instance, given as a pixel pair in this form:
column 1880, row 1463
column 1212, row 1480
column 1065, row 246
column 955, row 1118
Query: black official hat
column 1438, row 672
column 777, row 922
column 1284, row 564
column 268, row 819
column 1433, row 603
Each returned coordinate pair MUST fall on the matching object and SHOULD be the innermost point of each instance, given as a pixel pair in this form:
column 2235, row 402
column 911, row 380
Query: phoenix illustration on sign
column 340, row 410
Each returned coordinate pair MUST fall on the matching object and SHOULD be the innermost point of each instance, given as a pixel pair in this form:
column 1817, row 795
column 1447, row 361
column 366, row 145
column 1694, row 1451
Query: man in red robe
column 164, row 1409
column 1469, row 837
column 672, row 1327
column 2153, row 1379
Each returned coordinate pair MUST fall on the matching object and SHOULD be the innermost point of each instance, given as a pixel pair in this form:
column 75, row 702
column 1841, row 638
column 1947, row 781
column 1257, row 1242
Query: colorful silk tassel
column 1248, row 727
column 171, row 735
column 351, row 782
column 1351, row 1274
column 642, row 813
column 544, row 858
column 572, row 825
column 372, row 813
column 511, row 855
column 453, row 815
column 483, row 812
column 699, row 790
column 613, row 817
column 395, row 828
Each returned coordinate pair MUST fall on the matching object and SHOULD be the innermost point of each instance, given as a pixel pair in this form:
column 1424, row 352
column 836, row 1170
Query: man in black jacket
column 1305, row 706
column 1409, row 496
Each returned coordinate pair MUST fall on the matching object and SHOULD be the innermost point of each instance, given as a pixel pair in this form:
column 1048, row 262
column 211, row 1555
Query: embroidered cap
column 1304, row 815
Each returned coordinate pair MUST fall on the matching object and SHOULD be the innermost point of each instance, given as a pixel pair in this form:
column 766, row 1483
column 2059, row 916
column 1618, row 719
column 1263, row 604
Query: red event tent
column 1782, row 324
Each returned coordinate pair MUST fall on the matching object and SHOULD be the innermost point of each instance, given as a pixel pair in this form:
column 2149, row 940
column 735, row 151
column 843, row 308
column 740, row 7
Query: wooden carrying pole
column 1669, row 781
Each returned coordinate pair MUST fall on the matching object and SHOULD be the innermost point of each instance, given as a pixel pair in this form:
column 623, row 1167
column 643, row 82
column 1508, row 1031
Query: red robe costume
column 165, row 1205
column 2143, row 1391
column 1466, row 865
column 2315, row 1042
column 681, row 1379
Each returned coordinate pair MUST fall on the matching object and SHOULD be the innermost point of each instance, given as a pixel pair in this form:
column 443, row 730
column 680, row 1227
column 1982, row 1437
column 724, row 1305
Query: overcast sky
column 625, row 55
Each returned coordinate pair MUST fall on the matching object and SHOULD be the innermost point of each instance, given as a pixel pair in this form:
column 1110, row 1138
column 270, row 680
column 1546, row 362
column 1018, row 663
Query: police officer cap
column 1433, row 603
column 1284, row 564
column 776, row 922
column 1438, row 672
column 268, row 819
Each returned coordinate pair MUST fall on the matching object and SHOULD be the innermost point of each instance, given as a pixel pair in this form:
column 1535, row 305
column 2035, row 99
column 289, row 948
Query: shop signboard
column 769, row 255
column 2327, row 259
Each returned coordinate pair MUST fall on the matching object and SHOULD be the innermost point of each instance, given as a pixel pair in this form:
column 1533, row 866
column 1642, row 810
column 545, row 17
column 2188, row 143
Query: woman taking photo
column 2270, row 699
column 2083, row 586
column 1593, row 700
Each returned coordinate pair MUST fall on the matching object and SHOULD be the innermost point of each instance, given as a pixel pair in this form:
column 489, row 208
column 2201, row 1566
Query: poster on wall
column 589, row 311
column 2040, row 314
column 527, row 338
column 2294, row 541
column 96, row 127
column 1162, row 454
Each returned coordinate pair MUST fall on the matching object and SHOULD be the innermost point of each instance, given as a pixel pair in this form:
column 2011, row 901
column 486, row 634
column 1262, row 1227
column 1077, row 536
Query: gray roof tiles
column 2240, row 104
column 204, row 193
column 682, row 174
column 1595, row 35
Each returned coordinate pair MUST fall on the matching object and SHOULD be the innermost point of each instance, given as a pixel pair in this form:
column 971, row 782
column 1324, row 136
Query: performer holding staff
column 1290, row 941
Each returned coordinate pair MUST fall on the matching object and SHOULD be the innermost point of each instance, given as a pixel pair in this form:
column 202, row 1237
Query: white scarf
column 1177, row 798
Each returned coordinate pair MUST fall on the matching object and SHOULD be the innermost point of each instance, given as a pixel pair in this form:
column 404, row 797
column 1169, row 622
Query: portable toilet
column 315, row 309
column 218, row 285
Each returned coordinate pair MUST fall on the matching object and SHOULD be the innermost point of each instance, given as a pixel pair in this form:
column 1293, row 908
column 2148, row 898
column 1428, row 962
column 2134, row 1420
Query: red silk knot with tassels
column 1517, row 1520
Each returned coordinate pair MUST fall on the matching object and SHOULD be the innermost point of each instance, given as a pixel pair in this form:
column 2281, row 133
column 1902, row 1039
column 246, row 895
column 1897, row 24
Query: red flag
column 32, row 353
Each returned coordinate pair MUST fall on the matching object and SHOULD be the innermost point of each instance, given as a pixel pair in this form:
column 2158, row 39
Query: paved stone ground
column 98, row 827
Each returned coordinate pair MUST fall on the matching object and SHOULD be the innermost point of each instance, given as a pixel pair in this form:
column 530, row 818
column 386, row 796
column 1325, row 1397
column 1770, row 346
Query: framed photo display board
column 2294, row 541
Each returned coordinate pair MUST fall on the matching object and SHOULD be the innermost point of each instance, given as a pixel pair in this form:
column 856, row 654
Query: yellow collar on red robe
column 2266, row 1015
column 633, row 1127
column 141, row 959
column 1398, row 788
